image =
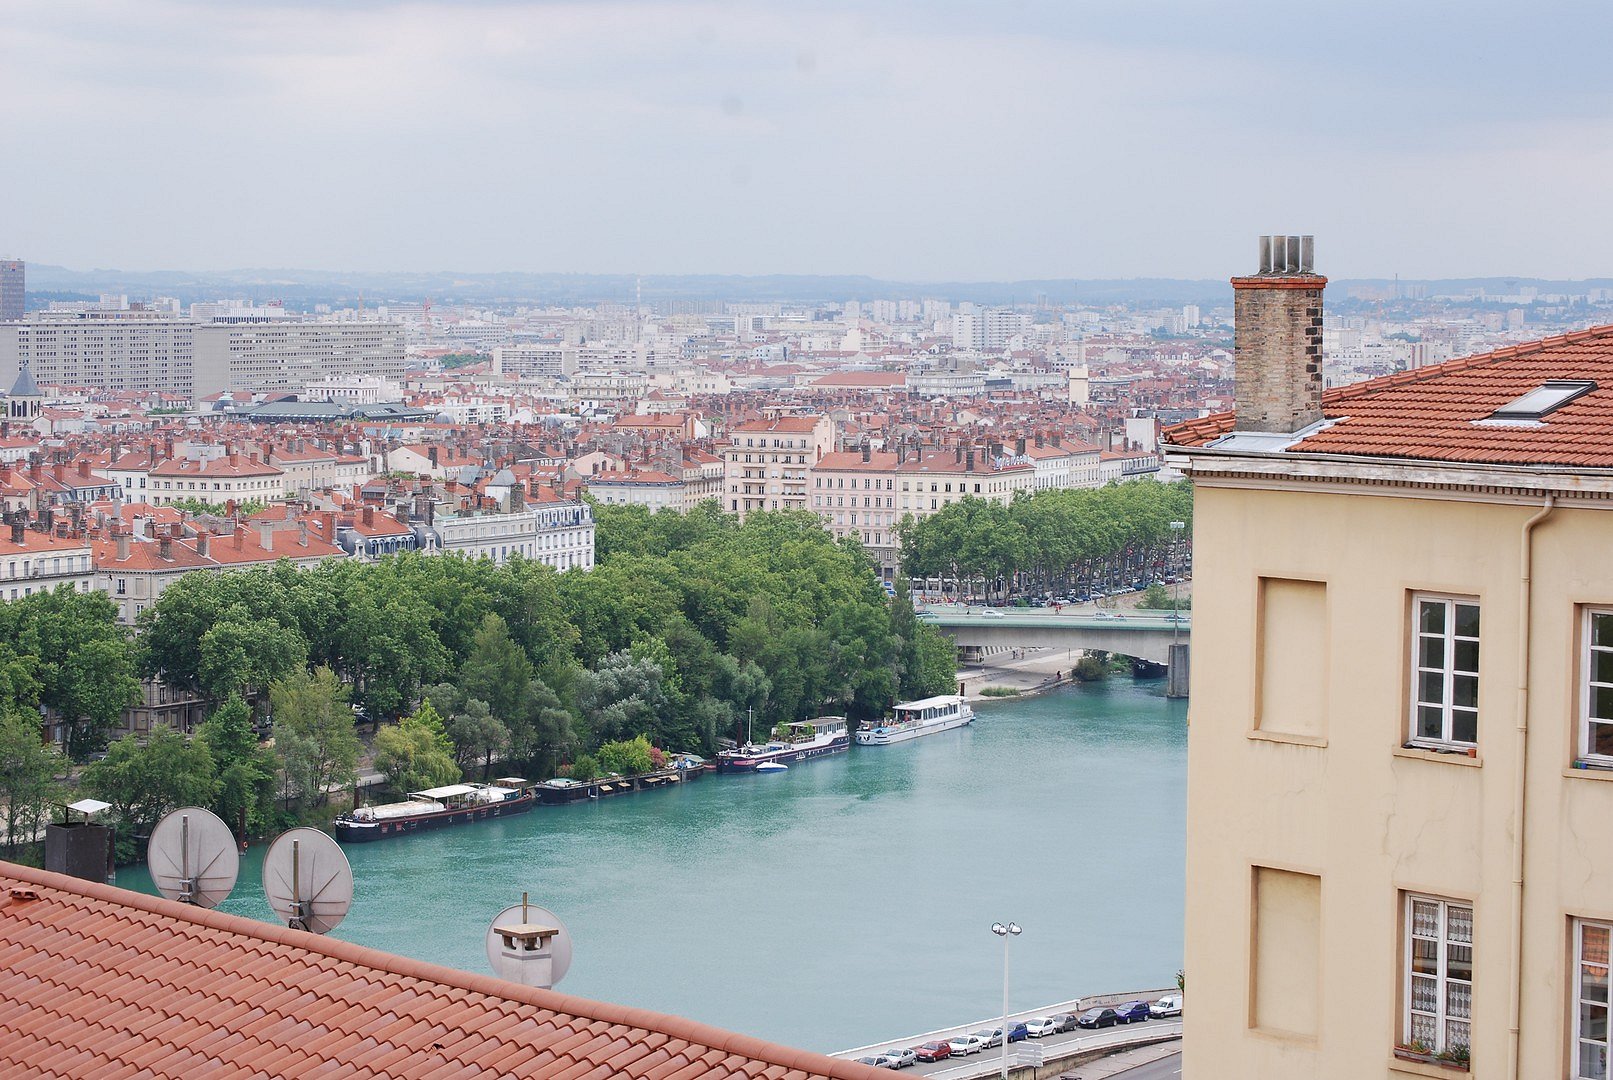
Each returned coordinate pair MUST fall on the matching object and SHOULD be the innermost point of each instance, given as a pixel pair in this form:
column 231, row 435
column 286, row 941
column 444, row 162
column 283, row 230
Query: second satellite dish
column 308, row 880
column 192, row 857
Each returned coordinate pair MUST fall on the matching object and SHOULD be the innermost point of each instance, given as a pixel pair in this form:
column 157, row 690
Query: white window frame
column 1588, row 685
column 1449, row 672
column 1442, row 1015
column 1578, row 1002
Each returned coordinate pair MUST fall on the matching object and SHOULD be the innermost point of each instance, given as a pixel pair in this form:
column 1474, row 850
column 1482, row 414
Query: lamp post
column 1176, row 586
column 1006, row 932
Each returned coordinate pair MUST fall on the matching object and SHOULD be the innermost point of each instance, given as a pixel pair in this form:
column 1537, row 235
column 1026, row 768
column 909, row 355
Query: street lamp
column 1011, row 930
column 1176, row 600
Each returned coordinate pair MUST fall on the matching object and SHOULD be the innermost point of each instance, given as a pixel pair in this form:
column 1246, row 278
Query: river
column 845, row 902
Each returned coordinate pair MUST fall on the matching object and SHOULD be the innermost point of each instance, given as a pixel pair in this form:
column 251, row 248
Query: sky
column 920, row 141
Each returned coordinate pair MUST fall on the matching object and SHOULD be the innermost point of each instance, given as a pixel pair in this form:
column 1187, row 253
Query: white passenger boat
column 912, row 719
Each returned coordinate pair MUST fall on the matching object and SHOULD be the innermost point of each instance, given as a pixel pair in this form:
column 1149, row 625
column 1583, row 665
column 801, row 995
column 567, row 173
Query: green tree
column 70, row 650
column 245, row 770
column 497, row 671
column 416, row 753
column 628, row 757
column 143, row 781
column 28, row 778
column 313, row 733
column 937, row 671
column 477, row 735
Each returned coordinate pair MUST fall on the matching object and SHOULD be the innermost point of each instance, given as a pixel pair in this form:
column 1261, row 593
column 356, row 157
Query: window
column 1589, row 1054
column 1445, row 679
column 1596, row 729
column 1439, row 974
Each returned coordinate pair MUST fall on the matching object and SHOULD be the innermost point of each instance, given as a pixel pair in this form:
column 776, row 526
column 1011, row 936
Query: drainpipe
column 1525, row 592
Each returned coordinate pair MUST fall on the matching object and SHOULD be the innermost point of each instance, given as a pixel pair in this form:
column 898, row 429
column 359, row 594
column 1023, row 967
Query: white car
column 1169, row 1005
column 991, row 613
column 1042, row 1025
column 964, row 1045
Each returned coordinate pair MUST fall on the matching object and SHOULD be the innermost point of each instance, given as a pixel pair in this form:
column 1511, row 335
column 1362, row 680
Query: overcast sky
column 922, row 141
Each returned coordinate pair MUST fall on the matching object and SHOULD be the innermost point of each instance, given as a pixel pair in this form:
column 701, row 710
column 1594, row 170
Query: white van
column 1169, row 1005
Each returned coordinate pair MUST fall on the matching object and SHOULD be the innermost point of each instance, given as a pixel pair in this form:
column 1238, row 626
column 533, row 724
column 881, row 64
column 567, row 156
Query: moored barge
column 455, row 804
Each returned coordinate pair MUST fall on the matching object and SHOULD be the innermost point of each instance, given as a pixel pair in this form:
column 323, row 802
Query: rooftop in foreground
column 101, row 981
column 1447, row 413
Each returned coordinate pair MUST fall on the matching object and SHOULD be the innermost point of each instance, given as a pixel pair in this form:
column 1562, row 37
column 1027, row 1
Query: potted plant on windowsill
column 1453, row 1058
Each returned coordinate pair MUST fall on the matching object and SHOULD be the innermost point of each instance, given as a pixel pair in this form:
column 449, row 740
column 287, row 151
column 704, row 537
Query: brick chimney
column 165, row 546
column 204, row 540
column 1278, row 350
column 124, row 542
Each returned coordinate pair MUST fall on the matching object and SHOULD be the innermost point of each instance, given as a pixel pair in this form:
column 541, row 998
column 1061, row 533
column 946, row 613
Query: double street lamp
column 1007, row 932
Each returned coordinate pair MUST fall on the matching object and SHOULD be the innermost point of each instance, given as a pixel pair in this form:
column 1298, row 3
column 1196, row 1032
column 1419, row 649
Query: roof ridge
column 1369, row 387
column 692, row 1031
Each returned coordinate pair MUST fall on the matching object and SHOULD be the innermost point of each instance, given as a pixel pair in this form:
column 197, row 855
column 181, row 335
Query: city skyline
column 901, row 143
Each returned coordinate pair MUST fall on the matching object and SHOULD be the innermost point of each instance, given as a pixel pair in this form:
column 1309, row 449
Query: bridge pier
column 1176, row 674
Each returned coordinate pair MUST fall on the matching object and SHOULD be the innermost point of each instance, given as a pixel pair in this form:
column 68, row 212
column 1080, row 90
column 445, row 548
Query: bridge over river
column 1157, row 639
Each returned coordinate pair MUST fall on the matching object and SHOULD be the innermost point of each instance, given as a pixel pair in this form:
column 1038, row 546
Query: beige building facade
column 1400, row 831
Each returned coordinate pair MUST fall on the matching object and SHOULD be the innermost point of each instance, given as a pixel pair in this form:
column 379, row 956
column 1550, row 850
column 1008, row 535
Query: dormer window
column 1543, row 400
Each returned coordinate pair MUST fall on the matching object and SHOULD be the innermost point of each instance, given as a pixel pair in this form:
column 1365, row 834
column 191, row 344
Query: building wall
column 1296, row 767
column 286, row 356
column 141, row 353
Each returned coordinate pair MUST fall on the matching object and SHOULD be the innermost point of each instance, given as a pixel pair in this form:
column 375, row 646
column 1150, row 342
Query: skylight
column 1544, row 399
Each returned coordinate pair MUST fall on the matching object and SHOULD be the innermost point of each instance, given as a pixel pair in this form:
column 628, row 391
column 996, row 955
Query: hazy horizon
column 914, row 141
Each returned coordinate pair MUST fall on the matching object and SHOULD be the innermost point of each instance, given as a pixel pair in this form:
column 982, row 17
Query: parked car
column 1066, row 1021
column 991, row 613
column 1018, row 1032
column 1097, row 1018
column 1042, row 1025
column 964, row 1045
column 932, row 1051
column 898, row 1057
column 1131, row 1012
column 877, row 1061
column 1169, row 1005
column 990, row 1037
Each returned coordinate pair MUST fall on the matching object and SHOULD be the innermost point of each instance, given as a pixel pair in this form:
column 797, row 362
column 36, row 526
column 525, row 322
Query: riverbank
column 1027, row 671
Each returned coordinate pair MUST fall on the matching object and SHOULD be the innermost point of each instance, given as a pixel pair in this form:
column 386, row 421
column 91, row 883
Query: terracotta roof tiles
column 1437, row 413
column 104, row 982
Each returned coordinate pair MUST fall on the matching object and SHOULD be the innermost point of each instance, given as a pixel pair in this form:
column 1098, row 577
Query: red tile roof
column 1433, row 413
column 102, row 981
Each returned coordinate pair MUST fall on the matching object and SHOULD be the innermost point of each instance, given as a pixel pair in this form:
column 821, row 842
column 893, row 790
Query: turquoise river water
column 845, row 902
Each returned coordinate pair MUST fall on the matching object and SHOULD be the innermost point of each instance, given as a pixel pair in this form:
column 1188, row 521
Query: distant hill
column 305, row 288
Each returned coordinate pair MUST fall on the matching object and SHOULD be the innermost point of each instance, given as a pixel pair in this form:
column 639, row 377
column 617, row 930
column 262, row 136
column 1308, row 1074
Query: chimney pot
column 1278, row 339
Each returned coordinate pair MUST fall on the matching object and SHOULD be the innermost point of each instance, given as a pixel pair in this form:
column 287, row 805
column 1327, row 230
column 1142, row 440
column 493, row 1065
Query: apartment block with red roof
column 765, row 462
column 40, row 558
column 854, row 493
column 215, row 475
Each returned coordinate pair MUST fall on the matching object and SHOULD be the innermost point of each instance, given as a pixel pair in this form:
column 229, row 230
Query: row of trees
column 1049, row 539
column 688, row 626
column 686, row 623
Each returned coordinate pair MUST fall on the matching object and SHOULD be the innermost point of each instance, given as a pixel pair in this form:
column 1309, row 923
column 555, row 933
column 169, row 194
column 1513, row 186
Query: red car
column 933, row 1051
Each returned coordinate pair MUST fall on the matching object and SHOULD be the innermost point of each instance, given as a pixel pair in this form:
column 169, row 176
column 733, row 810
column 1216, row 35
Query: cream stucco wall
column 1343, row 801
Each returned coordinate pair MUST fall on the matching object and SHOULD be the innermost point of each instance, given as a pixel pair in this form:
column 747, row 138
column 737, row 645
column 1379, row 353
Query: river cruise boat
column 804, row 740
column 455, row 804
column 912, row 719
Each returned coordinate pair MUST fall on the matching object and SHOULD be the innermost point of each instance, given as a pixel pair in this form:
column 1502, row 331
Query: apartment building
column 854, row 492
column 13, row 289
column 560, row 534
column 110, row 350
column 38, row 560
column 1400, row 766
column 286, row 355
column 765, row 462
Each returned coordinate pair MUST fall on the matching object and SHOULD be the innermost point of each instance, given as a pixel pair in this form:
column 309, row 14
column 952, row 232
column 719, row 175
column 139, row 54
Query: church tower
column 25, row 399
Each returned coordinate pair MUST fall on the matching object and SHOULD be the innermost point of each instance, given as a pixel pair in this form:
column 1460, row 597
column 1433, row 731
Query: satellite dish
column 308, row 880
column 193, row 858
column 529, row 945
